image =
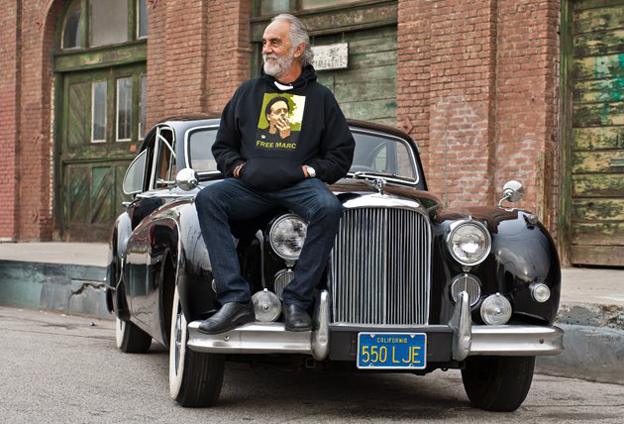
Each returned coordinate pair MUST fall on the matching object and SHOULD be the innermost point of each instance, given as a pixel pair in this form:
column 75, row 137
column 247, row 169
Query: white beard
column 278, row 66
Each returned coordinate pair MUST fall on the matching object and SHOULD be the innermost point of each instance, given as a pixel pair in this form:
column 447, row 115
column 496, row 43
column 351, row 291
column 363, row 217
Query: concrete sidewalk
column 69, row 277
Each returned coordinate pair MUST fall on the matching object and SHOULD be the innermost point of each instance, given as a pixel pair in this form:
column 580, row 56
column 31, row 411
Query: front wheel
column 130, row 338
column 498, row 383
column 195, row 378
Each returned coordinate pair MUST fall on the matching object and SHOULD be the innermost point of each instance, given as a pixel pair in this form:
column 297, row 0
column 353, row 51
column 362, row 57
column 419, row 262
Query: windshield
column 383, row 155
column 373, row 153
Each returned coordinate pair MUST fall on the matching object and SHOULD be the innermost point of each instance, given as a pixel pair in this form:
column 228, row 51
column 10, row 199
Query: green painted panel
column 601, row 161
column 599, row 19
column 79, row 114
column 598, row 210
column 594, row 4
column 130, row 53
column 598, row 138
column 608, row 67
column 604, row 90
column 606, row 234
column 77, row 193
column 598, row 185
column 102, row 195
column 364, row 110
column 599, row 114
column 599, row 43
column 372, row 91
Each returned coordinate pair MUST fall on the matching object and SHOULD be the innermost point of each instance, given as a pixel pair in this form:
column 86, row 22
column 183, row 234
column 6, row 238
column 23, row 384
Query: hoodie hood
column 308, row 75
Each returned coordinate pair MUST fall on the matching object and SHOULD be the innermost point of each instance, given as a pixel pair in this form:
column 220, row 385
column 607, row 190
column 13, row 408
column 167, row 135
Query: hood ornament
column 379, row 184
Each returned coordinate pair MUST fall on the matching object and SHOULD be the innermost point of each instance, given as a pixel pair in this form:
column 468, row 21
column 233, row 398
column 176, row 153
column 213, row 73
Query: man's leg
column 216, row 205
column 314, row 202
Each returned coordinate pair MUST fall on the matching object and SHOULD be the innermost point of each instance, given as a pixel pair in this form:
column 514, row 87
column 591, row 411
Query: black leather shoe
column 230, row 316
column 296, row 318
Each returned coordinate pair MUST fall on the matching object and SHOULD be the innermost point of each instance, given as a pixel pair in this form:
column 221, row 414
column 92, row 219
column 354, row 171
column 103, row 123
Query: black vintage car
column 409, row 287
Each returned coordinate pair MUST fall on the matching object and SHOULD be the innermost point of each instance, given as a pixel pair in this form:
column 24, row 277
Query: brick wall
column 477, row 88
column 197, row 54
column 9, row 117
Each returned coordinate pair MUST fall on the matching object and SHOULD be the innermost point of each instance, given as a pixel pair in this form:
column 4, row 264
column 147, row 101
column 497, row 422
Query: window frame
column 93, row 84
column 84, row 27
column 117, row 79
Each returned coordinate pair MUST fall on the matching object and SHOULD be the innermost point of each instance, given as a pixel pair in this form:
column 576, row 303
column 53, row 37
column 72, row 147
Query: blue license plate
column 392, row 351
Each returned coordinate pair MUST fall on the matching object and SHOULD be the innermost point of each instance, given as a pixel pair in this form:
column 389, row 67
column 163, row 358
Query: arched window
column 97, row 23
column 71, row 26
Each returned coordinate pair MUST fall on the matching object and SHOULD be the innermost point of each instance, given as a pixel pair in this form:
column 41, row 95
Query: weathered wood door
column 596, row 215
column 367, row 89
column 100, row 126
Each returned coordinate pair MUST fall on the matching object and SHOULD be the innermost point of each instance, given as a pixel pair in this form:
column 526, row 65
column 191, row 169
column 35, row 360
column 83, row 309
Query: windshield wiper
column 373, row 174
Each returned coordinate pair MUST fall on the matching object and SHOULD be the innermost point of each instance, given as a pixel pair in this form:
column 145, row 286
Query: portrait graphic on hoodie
column 279, row 123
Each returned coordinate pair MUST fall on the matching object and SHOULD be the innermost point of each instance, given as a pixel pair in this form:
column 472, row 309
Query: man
column 276, row 112
column 306, row 144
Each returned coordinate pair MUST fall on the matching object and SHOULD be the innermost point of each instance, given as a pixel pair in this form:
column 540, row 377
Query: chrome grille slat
column 380, row 272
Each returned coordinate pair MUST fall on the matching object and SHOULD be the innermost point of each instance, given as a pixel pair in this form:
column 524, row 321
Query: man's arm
column 337, row 145
column 226, row 148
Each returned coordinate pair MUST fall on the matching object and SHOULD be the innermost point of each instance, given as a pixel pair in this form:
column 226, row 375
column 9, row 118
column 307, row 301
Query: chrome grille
column 380, row 268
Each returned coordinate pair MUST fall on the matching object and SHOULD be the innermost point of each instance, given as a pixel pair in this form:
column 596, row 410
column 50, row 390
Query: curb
column 594, row 334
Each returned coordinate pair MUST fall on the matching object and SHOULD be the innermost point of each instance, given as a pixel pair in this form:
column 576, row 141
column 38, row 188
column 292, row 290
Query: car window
column 376, row 153
column 164, row 159
column 200, row 143
column 135, row 175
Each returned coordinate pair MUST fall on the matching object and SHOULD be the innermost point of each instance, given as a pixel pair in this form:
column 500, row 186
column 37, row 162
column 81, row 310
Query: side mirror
column 186, row 179
column 512, row 192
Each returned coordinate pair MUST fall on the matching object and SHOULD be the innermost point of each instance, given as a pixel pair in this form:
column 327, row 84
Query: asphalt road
column 66, row 369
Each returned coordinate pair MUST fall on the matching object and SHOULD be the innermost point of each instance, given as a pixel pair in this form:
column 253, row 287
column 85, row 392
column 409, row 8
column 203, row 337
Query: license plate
column 392, row 351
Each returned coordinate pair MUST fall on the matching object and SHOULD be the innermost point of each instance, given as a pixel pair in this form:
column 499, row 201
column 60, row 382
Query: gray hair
column 298, row 33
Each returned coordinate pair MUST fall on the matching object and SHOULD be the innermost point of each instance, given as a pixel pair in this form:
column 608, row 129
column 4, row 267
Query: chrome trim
column 389, row 282
column 156, row 153
column 269, row 337
column 409, row 149
column 516, row 340
column 460, row 323
column 320, row 335
column 257, row 337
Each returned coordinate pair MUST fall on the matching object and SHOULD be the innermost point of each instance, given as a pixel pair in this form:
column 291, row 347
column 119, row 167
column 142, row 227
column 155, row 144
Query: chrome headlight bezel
column 450, row 241
column 276, row 244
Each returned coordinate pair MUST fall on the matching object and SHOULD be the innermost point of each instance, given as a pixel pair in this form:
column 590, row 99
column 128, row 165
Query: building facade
column 490, row 90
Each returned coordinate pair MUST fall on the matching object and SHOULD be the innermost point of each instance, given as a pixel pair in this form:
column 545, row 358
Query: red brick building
column 491, row 90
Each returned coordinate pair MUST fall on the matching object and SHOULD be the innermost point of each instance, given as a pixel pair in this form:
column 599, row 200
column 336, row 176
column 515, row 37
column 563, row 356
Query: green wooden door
column 596, row 214
column 100, row 126
column 367, row 89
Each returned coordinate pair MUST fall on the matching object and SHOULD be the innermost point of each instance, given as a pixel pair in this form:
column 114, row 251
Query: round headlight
column 496, row 310
column 287, row 236
column 469, row 242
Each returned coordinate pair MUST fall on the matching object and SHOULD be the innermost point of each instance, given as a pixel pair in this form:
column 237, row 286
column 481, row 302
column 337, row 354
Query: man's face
column 277, row 51
column 278, row 115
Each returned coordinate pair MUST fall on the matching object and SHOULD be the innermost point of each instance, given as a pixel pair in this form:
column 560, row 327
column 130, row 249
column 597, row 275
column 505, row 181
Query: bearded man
column 263, row 174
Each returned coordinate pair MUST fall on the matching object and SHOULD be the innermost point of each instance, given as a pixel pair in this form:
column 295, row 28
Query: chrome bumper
column 468, row 339
column 270, row 337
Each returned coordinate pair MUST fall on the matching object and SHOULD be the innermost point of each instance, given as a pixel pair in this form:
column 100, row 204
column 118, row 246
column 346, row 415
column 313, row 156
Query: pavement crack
column 85, row 285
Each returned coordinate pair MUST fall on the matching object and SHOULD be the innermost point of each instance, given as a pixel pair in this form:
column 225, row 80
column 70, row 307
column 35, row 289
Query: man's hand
column 238, row 169
column 283, row 126
column 305, row 171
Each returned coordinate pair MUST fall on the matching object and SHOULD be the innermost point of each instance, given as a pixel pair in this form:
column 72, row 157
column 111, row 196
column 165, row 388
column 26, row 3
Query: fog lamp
column 496, row 310
column 540, row 292
column 468, row 283
column 281, row 280
column 267, row 306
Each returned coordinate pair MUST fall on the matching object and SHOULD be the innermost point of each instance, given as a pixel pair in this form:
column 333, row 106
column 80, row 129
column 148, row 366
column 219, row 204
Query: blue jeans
column 231, row 199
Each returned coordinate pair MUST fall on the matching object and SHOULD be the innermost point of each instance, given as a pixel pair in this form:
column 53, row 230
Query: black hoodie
column 275, row 131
